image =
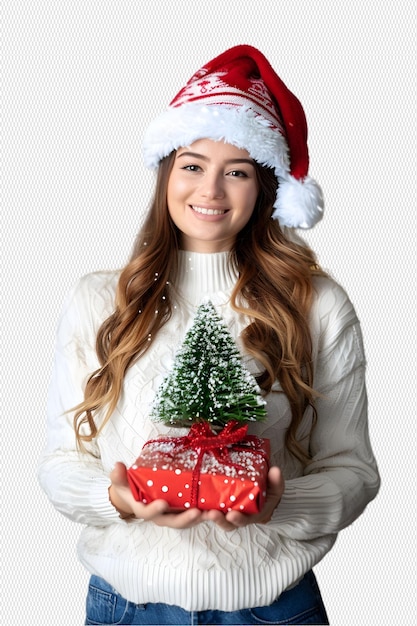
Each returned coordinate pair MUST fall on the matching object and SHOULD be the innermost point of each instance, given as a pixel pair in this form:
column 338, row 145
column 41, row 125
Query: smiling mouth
column 199, row 209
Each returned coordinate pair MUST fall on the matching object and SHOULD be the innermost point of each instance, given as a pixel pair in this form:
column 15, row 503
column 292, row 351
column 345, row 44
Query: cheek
column 251, row 199
column 251, row 196
column 176, row 201
column 170, row 195
column 245, row 217
column 176, row 189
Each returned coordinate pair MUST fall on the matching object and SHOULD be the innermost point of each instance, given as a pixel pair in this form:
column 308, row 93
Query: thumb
column 118, row 474
column 275, row 482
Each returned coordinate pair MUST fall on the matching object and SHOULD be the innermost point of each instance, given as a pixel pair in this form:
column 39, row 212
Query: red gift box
column 203, row 469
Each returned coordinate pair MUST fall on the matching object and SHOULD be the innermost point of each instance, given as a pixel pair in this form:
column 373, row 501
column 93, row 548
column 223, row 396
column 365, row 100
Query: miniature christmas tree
column 208, row 387
column 208, row 382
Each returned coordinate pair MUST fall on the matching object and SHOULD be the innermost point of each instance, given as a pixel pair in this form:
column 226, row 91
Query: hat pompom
column 299, row 203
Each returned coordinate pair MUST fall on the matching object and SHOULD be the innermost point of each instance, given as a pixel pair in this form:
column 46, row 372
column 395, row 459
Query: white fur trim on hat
column 299, row 204
column 179, row 127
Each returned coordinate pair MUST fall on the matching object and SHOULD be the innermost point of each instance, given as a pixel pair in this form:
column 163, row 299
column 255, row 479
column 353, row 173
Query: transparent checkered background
column 81, row 80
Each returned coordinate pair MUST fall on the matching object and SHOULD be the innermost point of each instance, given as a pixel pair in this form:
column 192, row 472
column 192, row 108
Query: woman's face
column 212, row 191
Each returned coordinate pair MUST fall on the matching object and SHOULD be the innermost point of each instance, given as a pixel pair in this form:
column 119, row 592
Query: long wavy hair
column 274, row 290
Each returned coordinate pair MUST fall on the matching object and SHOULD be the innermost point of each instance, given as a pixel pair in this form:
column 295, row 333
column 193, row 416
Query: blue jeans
column 301, row 605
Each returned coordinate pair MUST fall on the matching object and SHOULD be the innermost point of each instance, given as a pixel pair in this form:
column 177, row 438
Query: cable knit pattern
column 203, row 567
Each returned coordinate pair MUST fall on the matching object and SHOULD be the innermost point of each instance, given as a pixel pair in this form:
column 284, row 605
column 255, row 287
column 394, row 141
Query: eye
column 238, row 174
column 192, row 168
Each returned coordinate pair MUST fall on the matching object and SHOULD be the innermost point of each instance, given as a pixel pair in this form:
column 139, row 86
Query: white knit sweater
column 205, row 567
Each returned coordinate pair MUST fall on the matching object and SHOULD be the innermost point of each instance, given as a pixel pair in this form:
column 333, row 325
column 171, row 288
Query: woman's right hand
column 157, row 511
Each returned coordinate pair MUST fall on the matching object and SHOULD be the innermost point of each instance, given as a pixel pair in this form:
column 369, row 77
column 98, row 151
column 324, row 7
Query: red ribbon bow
column 202, row 436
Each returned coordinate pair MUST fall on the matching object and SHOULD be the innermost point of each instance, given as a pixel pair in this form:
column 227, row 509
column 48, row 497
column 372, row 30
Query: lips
column 204, row 211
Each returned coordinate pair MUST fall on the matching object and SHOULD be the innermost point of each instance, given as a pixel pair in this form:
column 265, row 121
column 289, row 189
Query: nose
column 212, row 185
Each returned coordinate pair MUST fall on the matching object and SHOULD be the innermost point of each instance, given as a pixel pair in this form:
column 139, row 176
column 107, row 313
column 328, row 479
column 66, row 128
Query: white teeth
column 199, row 209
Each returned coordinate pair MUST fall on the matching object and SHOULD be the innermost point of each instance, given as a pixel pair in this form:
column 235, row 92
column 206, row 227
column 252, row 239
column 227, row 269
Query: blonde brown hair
column 274, row 289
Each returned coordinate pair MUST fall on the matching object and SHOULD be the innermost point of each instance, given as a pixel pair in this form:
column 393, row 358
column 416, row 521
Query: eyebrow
column 196, row 155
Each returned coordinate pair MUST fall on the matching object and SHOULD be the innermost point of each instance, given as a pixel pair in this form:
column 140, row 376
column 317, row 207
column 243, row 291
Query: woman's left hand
column 234, row 519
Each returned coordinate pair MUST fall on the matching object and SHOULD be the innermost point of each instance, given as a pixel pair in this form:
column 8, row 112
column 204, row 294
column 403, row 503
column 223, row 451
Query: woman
column 232, row 159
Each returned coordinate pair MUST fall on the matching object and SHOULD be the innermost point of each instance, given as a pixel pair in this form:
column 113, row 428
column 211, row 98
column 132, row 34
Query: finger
column 151, row 511
column 275, row 481
column 218, row 518
column 237, row 520
column 179, row 520
column 118, row 474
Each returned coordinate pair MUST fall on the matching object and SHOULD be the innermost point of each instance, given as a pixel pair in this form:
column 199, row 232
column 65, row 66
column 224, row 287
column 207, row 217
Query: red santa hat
column 239, row 99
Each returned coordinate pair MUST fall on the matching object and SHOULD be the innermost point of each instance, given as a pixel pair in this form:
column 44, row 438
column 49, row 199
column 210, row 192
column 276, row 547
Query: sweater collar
column 201, row 275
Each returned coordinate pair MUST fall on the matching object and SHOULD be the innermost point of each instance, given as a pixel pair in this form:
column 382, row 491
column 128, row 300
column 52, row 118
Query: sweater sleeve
column 342, row 476
column 74, row 482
